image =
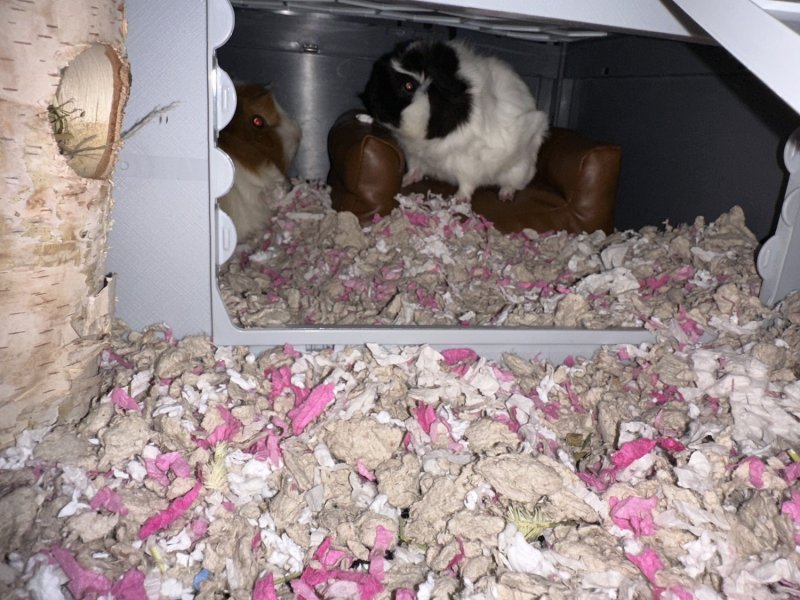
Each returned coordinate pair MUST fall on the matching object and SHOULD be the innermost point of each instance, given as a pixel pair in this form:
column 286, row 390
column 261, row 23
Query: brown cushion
column 574, row 188
column 367, row 167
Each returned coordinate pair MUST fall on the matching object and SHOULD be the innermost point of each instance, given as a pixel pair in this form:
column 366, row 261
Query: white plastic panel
column 778, row 260
column 159, row 240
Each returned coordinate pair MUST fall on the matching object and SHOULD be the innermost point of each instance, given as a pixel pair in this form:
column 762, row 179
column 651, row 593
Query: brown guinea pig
column 262, row 140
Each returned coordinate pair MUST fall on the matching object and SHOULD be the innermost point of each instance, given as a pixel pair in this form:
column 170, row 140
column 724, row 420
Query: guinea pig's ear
column 378, row 90
column 269, row 109
column 442, row 68
column 368, row 94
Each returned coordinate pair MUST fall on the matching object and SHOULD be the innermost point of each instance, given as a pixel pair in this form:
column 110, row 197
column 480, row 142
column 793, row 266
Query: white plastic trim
column 226, row 236
column 225, row 95
column 220, row 22
column 777, row 260
column 221, row 107
column 546, row 343
column 221, row 172
column 791, row 153
column 648, row 17
column 779, row 5
column 766, row 42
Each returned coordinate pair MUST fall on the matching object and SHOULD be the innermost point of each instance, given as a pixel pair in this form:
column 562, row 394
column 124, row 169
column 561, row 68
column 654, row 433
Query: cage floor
column 668, row 470
column 433, row 262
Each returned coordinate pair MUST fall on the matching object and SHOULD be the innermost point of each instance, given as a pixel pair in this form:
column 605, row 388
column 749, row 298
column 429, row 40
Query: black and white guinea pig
column 262, row 140
column 459, row 116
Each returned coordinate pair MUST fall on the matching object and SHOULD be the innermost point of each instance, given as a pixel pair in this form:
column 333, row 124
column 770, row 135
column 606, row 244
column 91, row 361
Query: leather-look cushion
column 574, row 188
column 367, row 167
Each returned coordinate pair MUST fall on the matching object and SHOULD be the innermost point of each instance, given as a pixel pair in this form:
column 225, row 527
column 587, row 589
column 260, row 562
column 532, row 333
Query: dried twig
column 128, row 133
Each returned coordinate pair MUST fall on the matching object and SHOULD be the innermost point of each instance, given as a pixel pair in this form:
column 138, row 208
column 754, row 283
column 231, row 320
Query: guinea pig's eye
column 257, row 121
column 409, row 86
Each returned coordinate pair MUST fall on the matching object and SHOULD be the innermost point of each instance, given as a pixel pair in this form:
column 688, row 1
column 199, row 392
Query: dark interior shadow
column 769, row 108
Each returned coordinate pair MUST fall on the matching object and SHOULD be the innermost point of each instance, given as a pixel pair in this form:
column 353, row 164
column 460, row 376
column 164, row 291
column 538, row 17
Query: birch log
column 55, row 303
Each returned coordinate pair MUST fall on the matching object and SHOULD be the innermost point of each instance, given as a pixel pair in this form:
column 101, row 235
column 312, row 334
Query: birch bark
column 55, row 302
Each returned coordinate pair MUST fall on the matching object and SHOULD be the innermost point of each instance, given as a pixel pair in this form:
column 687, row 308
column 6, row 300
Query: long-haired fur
column 262, row 140
column 459, row 116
